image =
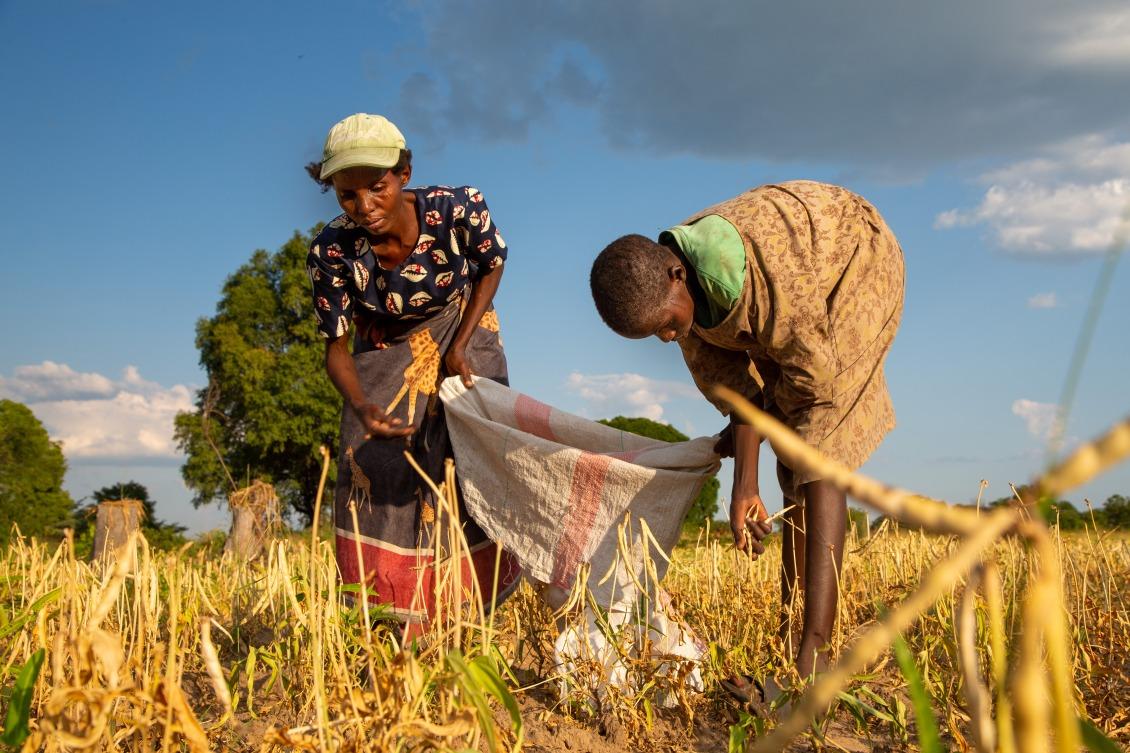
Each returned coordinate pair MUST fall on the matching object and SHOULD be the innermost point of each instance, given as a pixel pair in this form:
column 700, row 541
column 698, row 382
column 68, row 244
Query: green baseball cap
column 361, row 140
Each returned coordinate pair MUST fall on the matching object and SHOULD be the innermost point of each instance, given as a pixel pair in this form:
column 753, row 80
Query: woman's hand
column 482, row 293
column 378, row 424
column 457, row 365
column 747, row 511
column 747, row 516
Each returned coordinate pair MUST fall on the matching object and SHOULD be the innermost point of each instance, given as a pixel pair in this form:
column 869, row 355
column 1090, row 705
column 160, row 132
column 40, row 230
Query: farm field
column 193, row 651
column 647, row 272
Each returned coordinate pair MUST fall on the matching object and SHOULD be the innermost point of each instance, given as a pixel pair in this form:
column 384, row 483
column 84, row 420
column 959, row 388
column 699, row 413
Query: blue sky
column 149, row 149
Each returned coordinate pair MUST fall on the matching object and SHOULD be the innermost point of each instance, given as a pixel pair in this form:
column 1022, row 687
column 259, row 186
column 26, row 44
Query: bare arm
column 747, row 511
column 343, row 374
column 482, row 295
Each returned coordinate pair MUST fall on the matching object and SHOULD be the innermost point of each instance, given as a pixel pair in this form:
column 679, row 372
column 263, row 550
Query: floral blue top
column 457, row 239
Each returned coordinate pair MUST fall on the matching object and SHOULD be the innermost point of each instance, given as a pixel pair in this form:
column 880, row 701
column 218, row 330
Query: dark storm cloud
column 886, row 82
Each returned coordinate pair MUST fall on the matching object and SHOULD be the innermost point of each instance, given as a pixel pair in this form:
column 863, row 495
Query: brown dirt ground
column 551, row 729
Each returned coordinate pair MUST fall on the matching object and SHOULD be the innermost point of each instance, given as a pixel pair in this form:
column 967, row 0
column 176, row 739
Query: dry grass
column 290, row 655
column 1014, row 631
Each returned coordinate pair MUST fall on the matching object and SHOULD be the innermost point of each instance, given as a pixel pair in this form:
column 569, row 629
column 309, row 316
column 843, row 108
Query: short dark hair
column 314, row 170
column 629, row 282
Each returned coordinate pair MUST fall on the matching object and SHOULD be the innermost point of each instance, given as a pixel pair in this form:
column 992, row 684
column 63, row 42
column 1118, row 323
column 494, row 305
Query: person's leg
column 792, row 553
column 825, row 517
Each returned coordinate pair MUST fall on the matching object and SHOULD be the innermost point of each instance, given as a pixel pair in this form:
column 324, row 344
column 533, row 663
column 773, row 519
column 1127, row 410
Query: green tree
column 1063, row 513
column 706, row 504
column 1051, row 511
column 857, row 521
column 31, row 476
column 158, row 533
column 1116, row 512
column 268, row 404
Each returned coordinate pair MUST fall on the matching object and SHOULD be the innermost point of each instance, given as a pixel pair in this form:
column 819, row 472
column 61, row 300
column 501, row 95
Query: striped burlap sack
column 553, row 488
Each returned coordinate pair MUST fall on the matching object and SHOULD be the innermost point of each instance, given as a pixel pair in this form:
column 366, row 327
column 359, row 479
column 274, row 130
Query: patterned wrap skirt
column 402, row 364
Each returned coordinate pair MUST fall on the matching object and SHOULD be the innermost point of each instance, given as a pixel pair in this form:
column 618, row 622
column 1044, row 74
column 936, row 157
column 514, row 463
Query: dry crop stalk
column 1048, row 607
column 994, row 601
column 976, row 695
column 316, row 627
column 908, row 508
column 215, row 671
column 1044, row 604
column 871, row 644
column 1087, row 462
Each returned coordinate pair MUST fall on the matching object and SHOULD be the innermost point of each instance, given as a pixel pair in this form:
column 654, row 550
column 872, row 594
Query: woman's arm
column 482, row 295
column 747, row 511
column 709, row 366
column 343, row 374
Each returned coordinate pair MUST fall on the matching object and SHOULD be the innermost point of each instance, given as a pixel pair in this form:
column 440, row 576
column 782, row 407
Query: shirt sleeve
column 485, row 247
column 329, row 278
column 710, row 366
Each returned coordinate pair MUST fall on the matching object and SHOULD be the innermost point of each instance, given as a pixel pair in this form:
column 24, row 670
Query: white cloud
column 1043, row 301
column 1073, row 199
column 97, row 418
column 53, row 381
column 627, row 394
column 1040, row 418
column 1097, row 40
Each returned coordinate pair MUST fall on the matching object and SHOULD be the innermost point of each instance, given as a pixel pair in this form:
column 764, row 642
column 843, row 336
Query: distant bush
column 857, row 521
column 1116, row 512
column 1061, row 513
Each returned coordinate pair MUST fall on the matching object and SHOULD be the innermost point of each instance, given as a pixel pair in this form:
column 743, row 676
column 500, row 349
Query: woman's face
column 372, row 200
column 675, row 318
column 672, row 320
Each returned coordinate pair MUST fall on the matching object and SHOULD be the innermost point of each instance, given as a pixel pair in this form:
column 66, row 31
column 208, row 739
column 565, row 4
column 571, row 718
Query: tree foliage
column 31, row 476
column 858, row 522
column 706, row 504
column 268, row 404
column 1061, row 513
column 1115, row 512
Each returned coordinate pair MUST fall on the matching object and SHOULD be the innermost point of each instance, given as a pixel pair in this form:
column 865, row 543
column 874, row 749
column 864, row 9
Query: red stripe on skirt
column 532, row 417
column 585, row 492
column 393, row 577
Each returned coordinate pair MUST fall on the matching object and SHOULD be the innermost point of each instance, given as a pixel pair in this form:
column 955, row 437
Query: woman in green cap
column 409, row 274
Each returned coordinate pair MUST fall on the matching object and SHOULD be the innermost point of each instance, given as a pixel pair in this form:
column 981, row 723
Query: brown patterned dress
column 820, row 307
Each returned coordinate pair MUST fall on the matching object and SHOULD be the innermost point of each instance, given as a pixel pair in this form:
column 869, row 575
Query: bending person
column 790, row 295
column 409, row 275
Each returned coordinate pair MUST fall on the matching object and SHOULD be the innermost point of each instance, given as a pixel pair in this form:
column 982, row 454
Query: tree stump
column 117, row 519
column 255, row 519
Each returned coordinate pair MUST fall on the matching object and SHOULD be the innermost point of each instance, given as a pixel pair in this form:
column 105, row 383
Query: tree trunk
column 117, row 519
column 255, row 519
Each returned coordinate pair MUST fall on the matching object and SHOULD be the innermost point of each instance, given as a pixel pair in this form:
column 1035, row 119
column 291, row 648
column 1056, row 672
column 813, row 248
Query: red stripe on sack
column 628, row 456
column 393, row 577
column 532, row 417
column 585, row 492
